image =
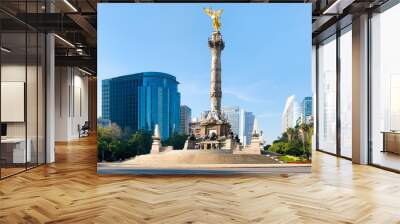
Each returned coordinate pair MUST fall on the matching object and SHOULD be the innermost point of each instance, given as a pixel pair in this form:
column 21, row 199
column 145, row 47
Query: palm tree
column 290, row 132
column 304, row 131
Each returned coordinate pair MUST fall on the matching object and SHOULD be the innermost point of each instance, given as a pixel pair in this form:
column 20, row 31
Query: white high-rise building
column 300, row 118
column 290, row 113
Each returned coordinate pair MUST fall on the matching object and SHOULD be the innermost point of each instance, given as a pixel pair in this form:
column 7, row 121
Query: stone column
column 360, row 90
column 216, row 45
column 50, row 92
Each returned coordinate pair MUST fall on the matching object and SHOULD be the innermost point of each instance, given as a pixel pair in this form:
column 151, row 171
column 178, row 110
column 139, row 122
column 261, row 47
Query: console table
column 391, row 141
column 13, row 150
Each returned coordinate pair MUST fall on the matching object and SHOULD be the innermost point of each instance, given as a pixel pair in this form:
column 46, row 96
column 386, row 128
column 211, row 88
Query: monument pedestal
column 156, row 145
column 255, row 145
column 219, row 128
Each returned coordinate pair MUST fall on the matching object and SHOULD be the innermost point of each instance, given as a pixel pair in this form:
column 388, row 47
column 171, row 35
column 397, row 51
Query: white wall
column 33, row 126
column 71, row 102
column 16, row 73
column 12, row 73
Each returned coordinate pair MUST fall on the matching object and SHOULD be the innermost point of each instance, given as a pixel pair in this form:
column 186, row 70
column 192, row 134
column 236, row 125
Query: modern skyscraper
column 186, row 117
column 142, row 100
column 105, row 99
column 306, row 110
column 289, row 114
column 232, row 114
column 247, row 129
column 241, row 122
column 307, row 104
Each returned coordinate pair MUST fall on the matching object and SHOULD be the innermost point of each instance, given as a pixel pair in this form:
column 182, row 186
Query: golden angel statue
column 215, row 17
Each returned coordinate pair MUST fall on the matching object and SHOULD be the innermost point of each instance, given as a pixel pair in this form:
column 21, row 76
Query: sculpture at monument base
column 218, row 127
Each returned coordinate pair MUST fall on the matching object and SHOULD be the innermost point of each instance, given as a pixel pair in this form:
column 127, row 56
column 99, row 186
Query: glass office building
column 307, row 106
column 185, row 119
column 142, row 100
column 249, row 120
column 305, row 111
column 232, row 114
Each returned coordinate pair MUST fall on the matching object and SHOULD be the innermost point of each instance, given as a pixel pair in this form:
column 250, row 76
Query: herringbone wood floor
column 70, row 191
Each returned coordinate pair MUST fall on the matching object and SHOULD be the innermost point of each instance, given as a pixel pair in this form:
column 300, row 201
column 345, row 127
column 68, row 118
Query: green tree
column 116, row 144
column 140, row 143
column 108, row 142
column 283, row 138
column 294, row 142
column 279, row 147
column 176, row 140
column 266, row 147
column 295, row 148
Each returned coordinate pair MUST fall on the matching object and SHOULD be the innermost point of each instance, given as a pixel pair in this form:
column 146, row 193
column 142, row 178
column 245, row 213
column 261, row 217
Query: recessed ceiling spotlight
column 70, row 5
column 5, row 50
column 64, row 40
column 84, row 71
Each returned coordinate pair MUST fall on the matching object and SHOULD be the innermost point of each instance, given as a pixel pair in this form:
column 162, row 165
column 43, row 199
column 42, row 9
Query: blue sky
column 267, row 55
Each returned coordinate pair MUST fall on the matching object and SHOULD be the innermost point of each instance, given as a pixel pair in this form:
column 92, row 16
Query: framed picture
column 204, row 88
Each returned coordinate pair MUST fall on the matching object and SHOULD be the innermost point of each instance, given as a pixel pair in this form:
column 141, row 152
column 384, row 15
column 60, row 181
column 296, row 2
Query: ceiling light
column 80, row 51
column 337, row 7
column 5, row 50
column 70, row 5
column 84, row 71
column 64, row 40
